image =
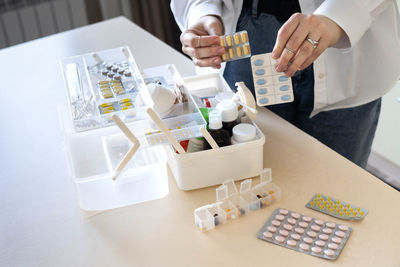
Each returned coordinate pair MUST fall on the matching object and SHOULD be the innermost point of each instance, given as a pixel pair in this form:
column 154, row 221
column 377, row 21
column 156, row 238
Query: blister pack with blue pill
column 271, row 87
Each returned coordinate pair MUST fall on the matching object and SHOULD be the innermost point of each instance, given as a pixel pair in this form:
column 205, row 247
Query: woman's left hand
column 302, row 39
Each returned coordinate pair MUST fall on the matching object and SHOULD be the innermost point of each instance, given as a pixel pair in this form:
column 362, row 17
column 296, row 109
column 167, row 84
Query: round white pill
column 307, row 240
column 272, row 229
column 340, row 234
column 311, row 234
column 288, row 227
column 291, row 221
column 279, row 238
column 291, row 243
column 323, row 237
column 279, row 217
column 316, row 250
column 329, row 252
column 303, row 224
column 320, row 243
column 307, row 219
column 275, row 223
column 283, row 212
column 267, row 235
column 330, row 224
column 295, row 236
column 315, row 228
column 299, row 230
column 319, row 222
column 304, row 247
column 337, row 240
column 327, row 231
column 333, row 246
column 343, row 227
column 283, row 232
column 295, row 215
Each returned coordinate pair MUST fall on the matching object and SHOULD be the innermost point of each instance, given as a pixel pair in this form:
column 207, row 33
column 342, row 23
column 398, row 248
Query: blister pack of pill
column 123, row 104
column 336, row 208
column 305, row 234
column 236, row 45
column 271, row 87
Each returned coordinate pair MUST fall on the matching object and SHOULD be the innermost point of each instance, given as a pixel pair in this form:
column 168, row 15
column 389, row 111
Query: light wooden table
column 41, row 224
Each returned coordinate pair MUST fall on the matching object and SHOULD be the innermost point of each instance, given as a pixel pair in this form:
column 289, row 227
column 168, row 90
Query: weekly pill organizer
column 271, row 87
column 305, row 234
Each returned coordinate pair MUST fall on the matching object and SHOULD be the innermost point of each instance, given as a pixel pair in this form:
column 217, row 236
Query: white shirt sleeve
column 353, row 16
column 188, row 12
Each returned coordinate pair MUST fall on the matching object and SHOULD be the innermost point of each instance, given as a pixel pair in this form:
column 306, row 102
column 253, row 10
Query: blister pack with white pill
column 236, row 45
column 305, row 234
column 336, row 208
column 271, row 87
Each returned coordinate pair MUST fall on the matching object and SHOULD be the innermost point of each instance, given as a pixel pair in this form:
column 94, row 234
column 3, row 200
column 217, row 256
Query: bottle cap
column 244, row 132
column 229, row 111
column 215, row 121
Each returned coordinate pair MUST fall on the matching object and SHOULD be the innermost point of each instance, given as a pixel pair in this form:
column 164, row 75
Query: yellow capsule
column 325, row 202
column 102, row 82
column 338, row 202
column 239, row 51
column 318, row 195
column 351, row 209
column 330, row 201
column 221, row 42
column 231, row 54
column 236, row 37
column 312, row 203
column 358, row 209
column 316, row 199
column 124, row 108
column 345, row 209
column 348, row 205
column 127, row 104
column 334, row 206
column 341, row 213
column 246, row 49
column 106, row 112
column 361, row 213
column 109, row 108
column 321, row 207
column 271, row 192
column 347, row 213
column 225, row 57
column 328, row 198
column 105, row 105
column 341, row 206
column 228, row 39
column 228, row 210
column 244, row 37
column 107, row 95
column 337, row 210
column 355, row 213
column 178, row 127
column 331, row 210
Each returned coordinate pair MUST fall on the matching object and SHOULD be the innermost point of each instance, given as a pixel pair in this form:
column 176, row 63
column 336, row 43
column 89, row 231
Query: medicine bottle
column 229, row 114
column 220, row 135
column 243, row 132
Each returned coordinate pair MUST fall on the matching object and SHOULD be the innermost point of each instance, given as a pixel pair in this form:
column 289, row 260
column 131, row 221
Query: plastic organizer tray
column 232, row 204
column 214, row 166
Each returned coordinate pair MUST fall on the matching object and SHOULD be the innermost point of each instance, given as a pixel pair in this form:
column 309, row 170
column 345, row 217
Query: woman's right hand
column 201, row 42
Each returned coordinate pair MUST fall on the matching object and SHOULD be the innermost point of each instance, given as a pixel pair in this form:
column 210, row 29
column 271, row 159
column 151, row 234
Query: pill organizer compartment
column 213, row 166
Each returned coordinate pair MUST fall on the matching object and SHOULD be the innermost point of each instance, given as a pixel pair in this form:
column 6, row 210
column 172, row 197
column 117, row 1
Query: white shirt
column 363, row 65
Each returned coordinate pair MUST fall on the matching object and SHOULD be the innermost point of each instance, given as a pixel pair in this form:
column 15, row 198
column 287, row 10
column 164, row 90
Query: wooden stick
column 209, row 138
column 131, row 151
column 165, row 130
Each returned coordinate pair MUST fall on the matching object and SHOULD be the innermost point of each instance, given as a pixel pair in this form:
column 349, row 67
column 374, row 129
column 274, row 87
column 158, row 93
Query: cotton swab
column 209, row 138
column 165, row 130
column 131, row 151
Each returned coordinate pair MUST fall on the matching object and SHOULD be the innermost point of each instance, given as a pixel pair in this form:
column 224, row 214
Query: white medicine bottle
column 243, row 132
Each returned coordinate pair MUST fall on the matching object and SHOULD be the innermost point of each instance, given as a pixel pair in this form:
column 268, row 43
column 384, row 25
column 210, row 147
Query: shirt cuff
column 351, row 15
column 202, row 9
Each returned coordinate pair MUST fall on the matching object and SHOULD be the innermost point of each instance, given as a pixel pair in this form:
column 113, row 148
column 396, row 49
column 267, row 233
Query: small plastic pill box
column 236, row 45
column 305, row 234
column 232, row 204
column 271, row 87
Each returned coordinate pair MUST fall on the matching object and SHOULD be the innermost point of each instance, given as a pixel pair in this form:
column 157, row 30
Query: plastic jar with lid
column 229, row 114
column 243, row 132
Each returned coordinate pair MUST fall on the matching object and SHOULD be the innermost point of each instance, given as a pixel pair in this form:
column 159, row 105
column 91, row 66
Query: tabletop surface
column 42, row 225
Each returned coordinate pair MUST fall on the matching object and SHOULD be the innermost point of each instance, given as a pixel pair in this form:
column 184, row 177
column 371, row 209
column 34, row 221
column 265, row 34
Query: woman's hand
column 302, row 39
column 201, row 42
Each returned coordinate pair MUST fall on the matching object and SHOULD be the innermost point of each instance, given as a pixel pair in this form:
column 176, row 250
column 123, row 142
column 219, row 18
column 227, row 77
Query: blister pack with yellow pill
column 336, row 208
column 236, row 45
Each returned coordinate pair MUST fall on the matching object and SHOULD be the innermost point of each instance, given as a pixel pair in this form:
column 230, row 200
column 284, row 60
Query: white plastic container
column 214, row 166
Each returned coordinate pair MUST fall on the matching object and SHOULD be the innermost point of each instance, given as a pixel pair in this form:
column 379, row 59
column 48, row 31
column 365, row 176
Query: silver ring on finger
column 314, row 43
column 291, row 51
column 198, row 41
